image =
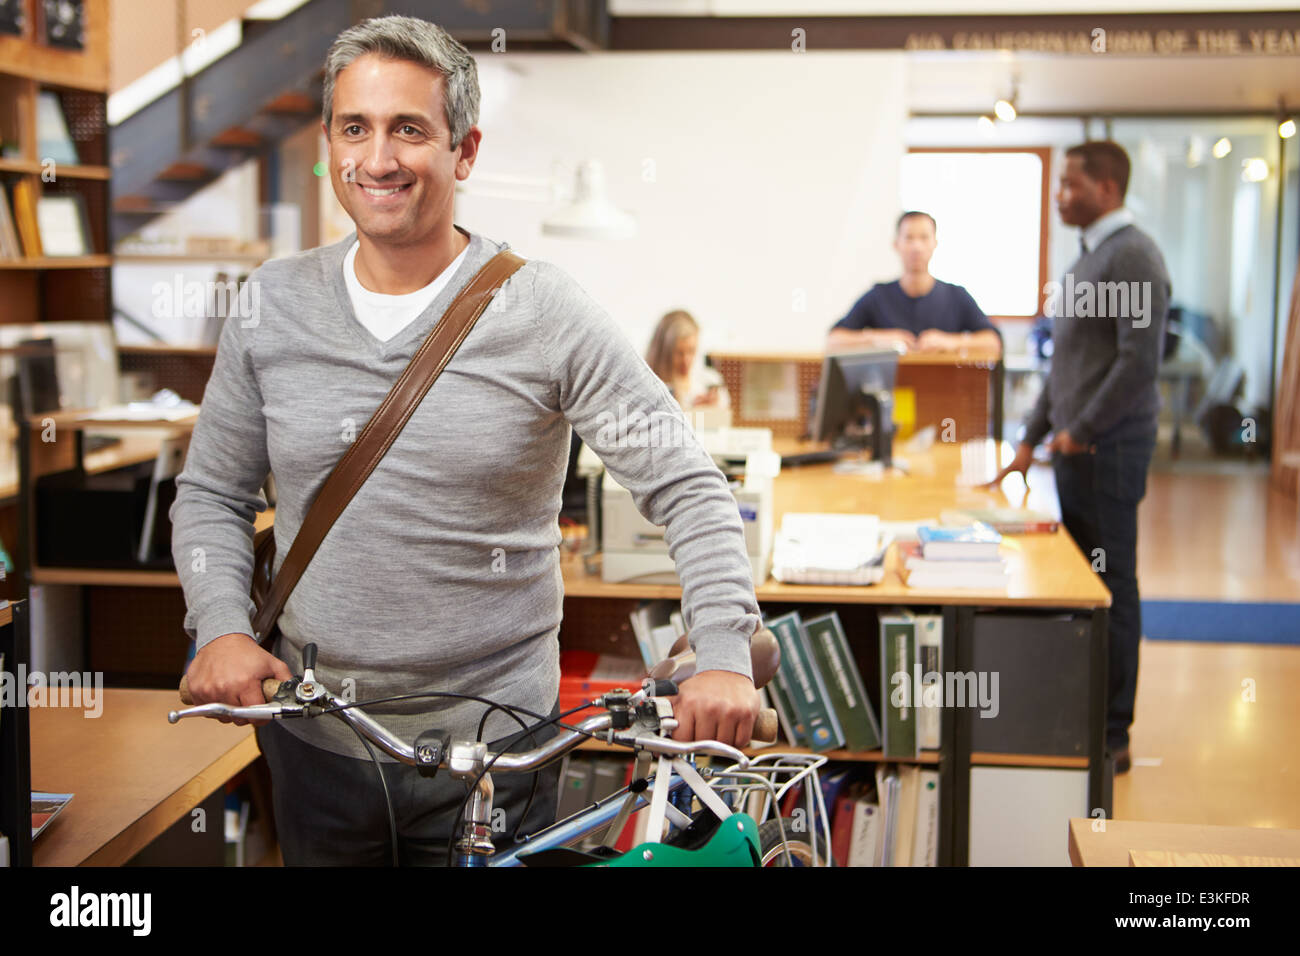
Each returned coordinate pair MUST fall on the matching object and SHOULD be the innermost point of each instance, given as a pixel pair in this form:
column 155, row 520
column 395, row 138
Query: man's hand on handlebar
column 230, row 670
column 716, row 705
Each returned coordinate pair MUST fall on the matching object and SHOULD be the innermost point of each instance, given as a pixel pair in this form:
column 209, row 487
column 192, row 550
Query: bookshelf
column 49, row 288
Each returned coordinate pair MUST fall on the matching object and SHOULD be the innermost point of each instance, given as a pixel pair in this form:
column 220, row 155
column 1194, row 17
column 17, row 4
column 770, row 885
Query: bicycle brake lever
column 254, row 712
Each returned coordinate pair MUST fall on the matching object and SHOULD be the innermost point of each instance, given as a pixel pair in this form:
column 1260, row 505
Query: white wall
column 754, row 177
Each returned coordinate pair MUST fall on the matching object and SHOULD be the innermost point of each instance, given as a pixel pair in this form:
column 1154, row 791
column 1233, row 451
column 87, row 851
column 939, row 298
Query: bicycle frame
column 762, row 778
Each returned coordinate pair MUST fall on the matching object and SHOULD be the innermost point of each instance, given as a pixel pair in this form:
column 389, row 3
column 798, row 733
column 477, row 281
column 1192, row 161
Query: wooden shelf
column 6, row 615
column 49, row 73
column 76, row 419
column 123, row 577
column 165, row 349
column 58, row 262
column 66, row 170
column 981, row 759
column 131, row 258
column 86, row 69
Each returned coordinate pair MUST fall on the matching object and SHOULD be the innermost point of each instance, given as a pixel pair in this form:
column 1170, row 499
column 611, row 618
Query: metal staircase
column 268, row 86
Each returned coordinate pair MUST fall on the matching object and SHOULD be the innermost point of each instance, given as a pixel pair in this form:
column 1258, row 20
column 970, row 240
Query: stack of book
column 959, row 557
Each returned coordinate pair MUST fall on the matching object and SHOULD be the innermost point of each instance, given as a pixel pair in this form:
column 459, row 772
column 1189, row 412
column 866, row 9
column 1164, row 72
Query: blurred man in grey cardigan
column 1100, row 402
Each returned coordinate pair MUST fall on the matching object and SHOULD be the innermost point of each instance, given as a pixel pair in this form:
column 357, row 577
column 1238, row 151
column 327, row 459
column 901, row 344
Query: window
column 991, row 207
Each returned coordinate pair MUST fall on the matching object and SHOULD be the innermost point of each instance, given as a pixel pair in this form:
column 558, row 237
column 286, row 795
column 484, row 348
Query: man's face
column 391, row 160
column 1080, row 199
column 915, row 243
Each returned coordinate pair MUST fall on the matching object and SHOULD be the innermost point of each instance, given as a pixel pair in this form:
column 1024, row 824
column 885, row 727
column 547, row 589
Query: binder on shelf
column 790, row 726
column 10, row 245
column 929, row 647
column 925, row 845
column 25, row 217
column 909, row 788
column 864, row 846
column 804, row 685
column 846, row 692
column 897, row 654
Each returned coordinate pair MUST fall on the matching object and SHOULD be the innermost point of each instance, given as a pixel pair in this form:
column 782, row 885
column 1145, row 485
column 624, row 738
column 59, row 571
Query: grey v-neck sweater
column 443, row 573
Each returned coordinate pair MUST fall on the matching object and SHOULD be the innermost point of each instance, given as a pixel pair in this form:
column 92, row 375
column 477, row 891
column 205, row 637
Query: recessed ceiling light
column 1254, row 170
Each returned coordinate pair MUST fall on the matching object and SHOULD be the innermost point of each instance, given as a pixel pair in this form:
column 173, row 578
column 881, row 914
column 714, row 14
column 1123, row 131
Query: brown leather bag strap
column 360, row 460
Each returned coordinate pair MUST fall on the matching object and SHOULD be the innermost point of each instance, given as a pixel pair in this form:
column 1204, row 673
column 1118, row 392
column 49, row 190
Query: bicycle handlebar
column 763, row 731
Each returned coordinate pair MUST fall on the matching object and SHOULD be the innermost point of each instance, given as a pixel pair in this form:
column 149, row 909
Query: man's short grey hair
column 419, row 41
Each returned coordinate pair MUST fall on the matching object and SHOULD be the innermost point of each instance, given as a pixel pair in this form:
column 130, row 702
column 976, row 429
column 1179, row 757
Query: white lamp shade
column 590, row 215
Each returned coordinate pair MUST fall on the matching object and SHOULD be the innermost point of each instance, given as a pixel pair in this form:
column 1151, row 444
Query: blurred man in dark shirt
column 1101, row 400
column 916, row 311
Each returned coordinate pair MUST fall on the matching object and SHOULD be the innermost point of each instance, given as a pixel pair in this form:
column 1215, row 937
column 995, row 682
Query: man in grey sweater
column 443, row 572
column 1101, row 401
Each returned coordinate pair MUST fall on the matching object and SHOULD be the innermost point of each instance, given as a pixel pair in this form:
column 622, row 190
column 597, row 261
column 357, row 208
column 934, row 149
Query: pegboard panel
column 600, row 625
column 957, row 392
column 807, row 375
column 87, row 124
column 185, row 373
column 136, row 635
column 76, row 295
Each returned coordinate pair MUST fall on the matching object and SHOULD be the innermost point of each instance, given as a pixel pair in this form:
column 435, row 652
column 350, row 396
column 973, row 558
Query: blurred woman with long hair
column 672, row 353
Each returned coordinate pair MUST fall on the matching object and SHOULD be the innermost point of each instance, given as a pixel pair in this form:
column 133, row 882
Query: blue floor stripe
column 1243, row 622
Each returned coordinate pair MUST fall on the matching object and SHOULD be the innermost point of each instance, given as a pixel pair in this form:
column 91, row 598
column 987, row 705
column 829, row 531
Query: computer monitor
column 855, row 402
column 38, row 377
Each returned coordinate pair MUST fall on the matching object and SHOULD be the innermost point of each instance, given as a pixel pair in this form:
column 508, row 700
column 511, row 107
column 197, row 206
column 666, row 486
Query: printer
column 634, row 550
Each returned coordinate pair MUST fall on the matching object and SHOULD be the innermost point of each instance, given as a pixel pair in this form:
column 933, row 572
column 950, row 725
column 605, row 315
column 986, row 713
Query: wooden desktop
column 132, row 774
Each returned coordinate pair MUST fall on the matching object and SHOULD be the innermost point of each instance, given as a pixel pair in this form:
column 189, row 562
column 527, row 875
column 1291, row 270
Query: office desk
column 132, row 774
column 1050, row 583
column 1047, row 570
column 1180, row 844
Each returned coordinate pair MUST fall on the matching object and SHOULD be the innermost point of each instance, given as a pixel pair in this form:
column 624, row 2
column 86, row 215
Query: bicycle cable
column 537, row 774
column 473, row 786
column 383, row 782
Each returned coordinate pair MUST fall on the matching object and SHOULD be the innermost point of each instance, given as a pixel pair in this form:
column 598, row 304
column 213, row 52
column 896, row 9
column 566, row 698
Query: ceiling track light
column 1285, row 124
column 1005, row 109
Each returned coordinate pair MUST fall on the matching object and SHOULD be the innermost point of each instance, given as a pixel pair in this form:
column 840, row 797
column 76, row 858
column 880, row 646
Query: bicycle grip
column 270, row 687
column 765, row 726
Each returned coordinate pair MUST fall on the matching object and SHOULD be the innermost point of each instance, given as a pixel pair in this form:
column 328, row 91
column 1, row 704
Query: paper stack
column 844, row 549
